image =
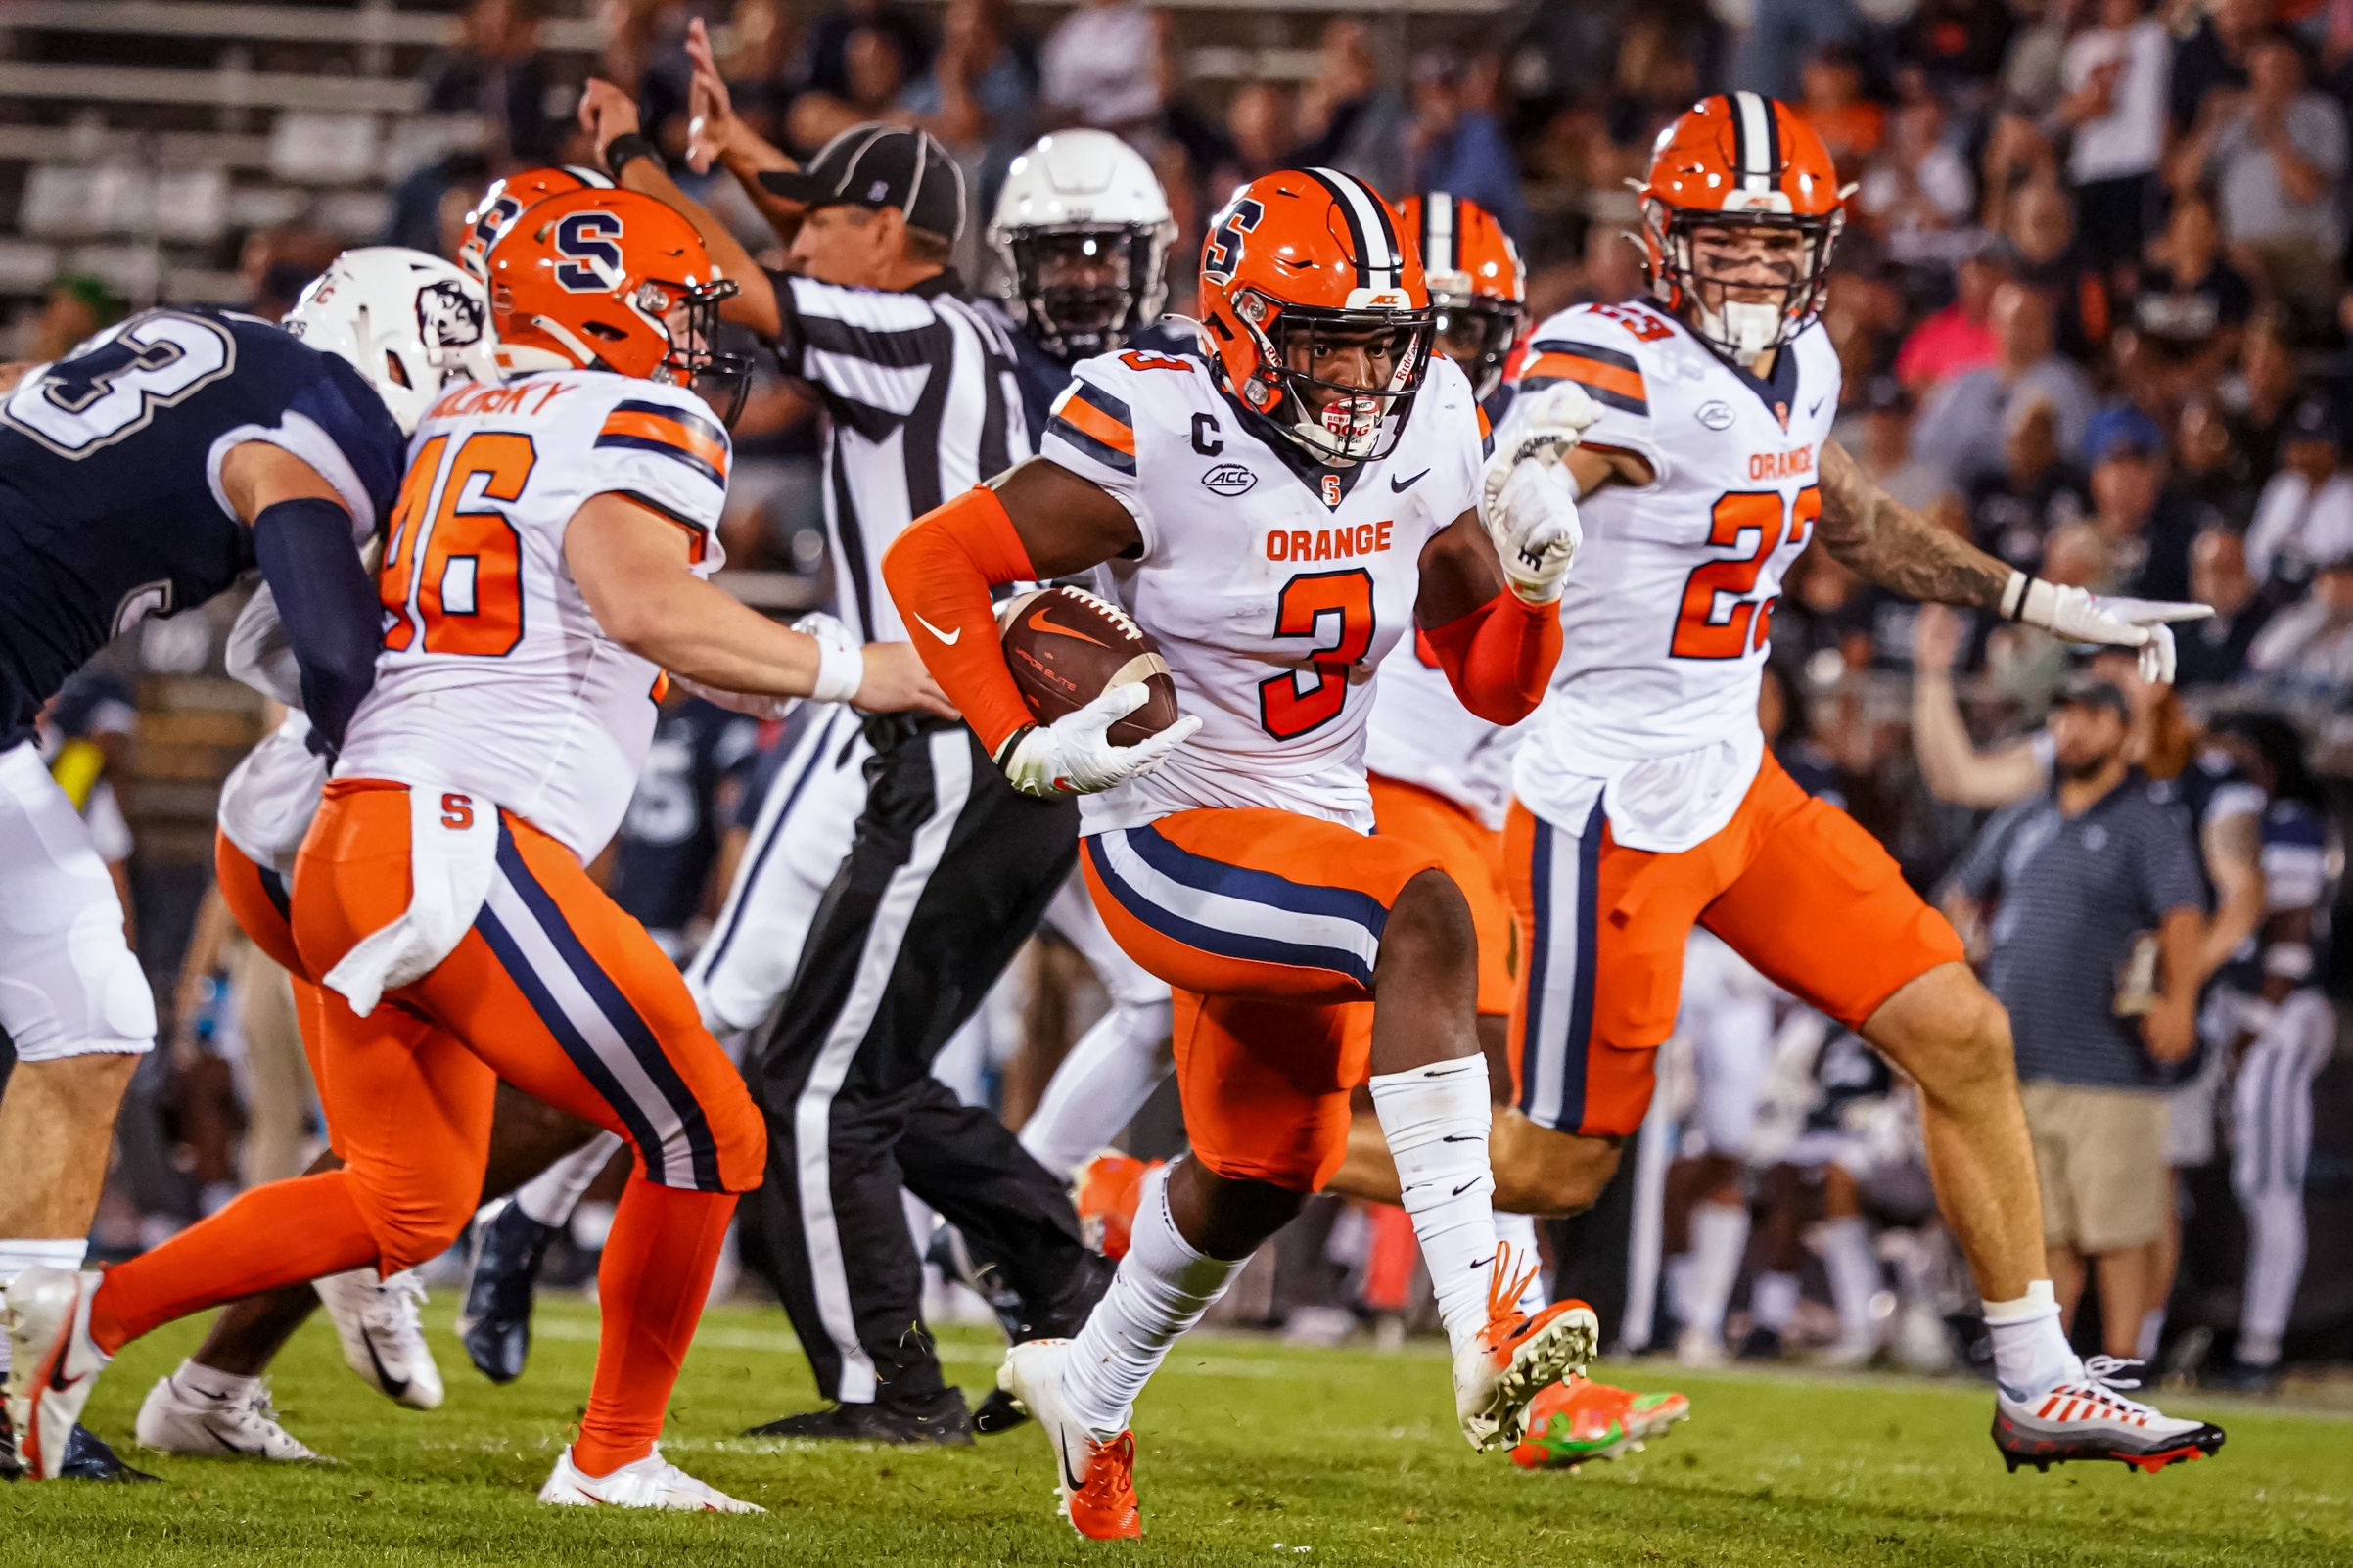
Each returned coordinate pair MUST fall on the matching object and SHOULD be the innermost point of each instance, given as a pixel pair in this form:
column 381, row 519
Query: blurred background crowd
column 2093, row 312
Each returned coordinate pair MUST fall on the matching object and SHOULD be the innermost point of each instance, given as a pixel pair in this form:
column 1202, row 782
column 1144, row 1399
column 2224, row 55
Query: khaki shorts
column 2101, row 1156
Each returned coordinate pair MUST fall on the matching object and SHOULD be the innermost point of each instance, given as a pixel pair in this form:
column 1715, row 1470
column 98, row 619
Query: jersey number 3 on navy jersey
column 114, row 384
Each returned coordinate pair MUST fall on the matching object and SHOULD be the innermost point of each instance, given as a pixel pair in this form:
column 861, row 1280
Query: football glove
column 2080, row 616
column 1532, row 517
column 1075, row 753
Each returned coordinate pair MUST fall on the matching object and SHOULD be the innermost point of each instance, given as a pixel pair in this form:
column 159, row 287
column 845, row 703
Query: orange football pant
column 556, row 990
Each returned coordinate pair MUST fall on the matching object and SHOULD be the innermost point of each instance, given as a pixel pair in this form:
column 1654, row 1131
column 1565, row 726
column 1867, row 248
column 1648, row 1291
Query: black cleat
column 495, row 1321
column 945, row 1419
column 1001, row 1411
column 11, row 1467
column 87, row 1458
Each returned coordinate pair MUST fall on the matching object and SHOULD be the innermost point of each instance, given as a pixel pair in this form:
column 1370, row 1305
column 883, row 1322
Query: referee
column 951, row 868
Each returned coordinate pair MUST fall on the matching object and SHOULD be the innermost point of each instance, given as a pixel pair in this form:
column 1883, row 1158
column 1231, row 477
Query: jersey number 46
column 453, row 577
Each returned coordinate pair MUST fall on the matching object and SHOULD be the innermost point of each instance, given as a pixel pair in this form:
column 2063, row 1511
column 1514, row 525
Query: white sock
column 1675, row 1286
column 196, row 1375
column 1099, row 1087
column 2152, row 1334
column 1519, row 1230
column 1718, row 1241
column 1436, row 1119
column 1162, row 1289
column 17, row 1255
column 550, row 1196
column 2258, row 1350
column 1845, row 1246
column 1772, row 1300
column 2030, row 1350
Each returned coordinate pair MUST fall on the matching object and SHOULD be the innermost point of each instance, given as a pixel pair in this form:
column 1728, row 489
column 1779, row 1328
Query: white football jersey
column 495, row 678
column 1274, row 586
column 1421, row 734
column 1665, row 614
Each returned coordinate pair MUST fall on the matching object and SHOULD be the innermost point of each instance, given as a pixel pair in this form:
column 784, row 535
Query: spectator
column 2033, row 76
column 2305, row 656
column 2305, row 514
column 79, row 305
column 1961, row 423
column 496, row 73
column 1849, row 124
column 1958, row 46
column 2115, row 75
column 1261, row 122
column 1349, row 121
column 2041, row 228
column 2014, row 508
column 758, row 66
column 2212, row 470
column 2213, row 60
column 2074, row 877
column 830, row 35
column 2189, row 304
column 980, row 86
column 1101, row 67
column 1886, row 447
column 875, row 80
column 2147, row 530
column 1455, row 144
column 2275, row 155
column 1919, row 185
column 1960, row 337
column 2214, row 652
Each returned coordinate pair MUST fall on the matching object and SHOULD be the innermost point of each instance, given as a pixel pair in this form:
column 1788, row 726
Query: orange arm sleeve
column 1500, row 658
column 940, row 571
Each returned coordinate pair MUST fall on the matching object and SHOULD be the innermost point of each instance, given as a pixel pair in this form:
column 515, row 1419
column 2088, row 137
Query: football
column 1066, row 647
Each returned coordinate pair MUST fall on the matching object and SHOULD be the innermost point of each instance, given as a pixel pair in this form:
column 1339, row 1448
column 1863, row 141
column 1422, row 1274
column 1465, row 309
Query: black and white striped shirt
column 921, row 405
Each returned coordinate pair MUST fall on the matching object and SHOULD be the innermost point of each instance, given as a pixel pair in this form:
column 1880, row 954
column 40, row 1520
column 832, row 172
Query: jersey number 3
column 1717, row 620
column 1335, row 608
column 452, row 574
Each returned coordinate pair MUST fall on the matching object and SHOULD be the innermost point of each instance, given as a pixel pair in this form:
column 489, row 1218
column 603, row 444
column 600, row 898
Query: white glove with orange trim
column 1527, row 500
column 1075, row 753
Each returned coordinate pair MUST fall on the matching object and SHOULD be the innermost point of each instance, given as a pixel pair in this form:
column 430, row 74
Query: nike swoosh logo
column 1467, row 1186
column 1401, row 487
column 1039, row 623
column 1459, row 1137
column 1815, row 409
column 1069, row 1481
column 394, row 1386
column 948, row 637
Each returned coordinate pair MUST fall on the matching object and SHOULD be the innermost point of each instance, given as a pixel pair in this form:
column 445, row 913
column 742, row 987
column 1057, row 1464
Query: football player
column 1478, row 289
column 148, row 471
column 1276, row 514
column 1645, row 797
column 546, row 565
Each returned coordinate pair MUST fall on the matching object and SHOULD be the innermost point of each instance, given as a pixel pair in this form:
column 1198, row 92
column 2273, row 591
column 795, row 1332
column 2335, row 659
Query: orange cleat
column 1096, row 1476
column 1517, row 1356
column 1106, row 1192
column 1577, row 1420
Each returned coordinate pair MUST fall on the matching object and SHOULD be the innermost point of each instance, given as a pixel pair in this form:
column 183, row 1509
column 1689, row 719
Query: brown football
column 1065, row 647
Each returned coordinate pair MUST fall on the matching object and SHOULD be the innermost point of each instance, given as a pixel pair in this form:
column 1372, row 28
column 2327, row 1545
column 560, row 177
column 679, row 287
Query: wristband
column 1004, row 752
column 2014, row 594
column 840, row 670
column 627, row 147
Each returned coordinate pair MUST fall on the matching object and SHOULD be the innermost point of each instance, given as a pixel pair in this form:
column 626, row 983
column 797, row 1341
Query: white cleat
column 2086, row 1417
column 53, row 1364
column 383, row 1334
column 650, row 1482
column 1849, row 1352
column 1696, row 1346
column 180, row 1420
column 1095, row 1480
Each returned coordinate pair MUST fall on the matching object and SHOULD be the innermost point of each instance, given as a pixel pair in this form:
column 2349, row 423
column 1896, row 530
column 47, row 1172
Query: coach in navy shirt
column 2068, row 881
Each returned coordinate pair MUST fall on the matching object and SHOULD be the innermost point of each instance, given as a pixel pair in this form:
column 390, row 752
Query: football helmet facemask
column 1084, row 230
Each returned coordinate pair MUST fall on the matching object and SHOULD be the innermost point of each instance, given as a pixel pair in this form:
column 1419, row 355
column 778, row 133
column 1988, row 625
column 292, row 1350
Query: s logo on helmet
column 592, row 256
column 1226, row 241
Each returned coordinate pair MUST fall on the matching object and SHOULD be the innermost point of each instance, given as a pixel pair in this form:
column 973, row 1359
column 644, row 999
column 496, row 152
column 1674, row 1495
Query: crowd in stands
column 2092, row 303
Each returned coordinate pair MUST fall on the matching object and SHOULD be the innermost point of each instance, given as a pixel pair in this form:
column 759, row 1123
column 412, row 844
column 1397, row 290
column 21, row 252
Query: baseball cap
column 2123, row 426
column 876, row 166
column 2085, row 689
column 2313, row 420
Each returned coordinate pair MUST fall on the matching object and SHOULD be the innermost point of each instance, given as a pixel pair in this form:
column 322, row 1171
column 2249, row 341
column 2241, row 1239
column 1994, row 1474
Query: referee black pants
column 950, row 871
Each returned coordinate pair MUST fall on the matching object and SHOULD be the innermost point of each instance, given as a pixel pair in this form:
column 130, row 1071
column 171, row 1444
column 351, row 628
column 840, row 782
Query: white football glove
column 1526, row 502
column 2081, row 616
column 1075, row 753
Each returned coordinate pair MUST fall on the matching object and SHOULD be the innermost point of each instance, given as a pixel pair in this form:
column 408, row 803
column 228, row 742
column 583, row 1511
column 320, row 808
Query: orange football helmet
column 1741, row 161
column 1302, row 268
column 505, row 200
column 1478, row 288
column 610, row 280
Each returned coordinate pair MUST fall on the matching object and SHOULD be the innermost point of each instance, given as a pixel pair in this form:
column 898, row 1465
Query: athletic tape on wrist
column 840, row 670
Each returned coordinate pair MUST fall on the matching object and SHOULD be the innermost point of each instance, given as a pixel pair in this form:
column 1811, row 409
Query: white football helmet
column 410, row 322
column 1084, row 229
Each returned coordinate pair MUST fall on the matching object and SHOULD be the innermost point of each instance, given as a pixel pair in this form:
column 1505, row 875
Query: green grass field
column 1248, row 1453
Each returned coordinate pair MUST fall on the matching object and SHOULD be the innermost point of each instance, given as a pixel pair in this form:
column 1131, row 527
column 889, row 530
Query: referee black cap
column 875, row 165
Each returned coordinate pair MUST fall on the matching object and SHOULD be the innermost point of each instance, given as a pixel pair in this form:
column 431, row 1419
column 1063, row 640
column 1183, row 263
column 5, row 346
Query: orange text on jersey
column 1329, row 544
column 488, row 398
column 1780, row 465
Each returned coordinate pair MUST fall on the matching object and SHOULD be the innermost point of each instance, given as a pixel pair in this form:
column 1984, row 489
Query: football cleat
column 383, row 1334
column 1517, row 1356
column 53, row 1364
column 649, row 1483
column 1095, row 1479
column 177, row 1419
column 1696, row 1347
column 495, row 1321
column 942, row 1419
column 1577, row 1420
column 1107, row 1189
column 2085, row 1417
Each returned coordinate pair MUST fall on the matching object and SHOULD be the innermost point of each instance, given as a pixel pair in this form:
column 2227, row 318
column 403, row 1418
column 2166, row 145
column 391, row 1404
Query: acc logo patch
column 1229, row 478
column 1715, row 416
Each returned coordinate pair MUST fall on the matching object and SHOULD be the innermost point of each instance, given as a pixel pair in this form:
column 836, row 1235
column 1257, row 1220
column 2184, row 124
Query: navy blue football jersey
column 111, row 508
column 670, row 837
column 1044, row 377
